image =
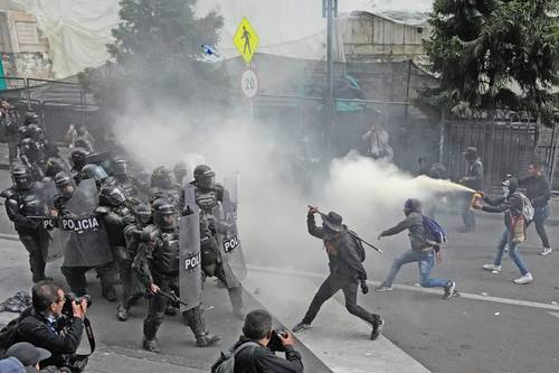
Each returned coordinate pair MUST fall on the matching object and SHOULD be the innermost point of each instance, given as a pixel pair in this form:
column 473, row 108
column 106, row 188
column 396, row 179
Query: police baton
column 353, row 234
column 172, row 297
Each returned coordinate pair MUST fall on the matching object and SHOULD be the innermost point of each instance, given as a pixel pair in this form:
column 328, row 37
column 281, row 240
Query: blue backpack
column 434, row 232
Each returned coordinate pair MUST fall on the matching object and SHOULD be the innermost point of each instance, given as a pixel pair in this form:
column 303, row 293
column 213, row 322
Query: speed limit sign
column 250, row 84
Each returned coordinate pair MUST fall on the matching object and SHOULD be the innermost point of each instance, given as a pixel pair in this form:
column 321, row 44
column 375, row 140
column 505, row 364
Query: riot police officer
column 75, row 274
column 132, row 233
column 157, row 263
column 180, row 172
column 78, row 161
column 129, row 184
column 25, row 199
column 162, row 186
column 208, row 196
column 117, row 215
column 35, row 150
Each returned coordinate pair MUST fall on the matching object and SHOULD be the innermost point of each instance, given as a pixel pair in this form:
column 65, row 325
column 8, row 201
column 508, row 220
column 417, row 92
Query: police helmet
column 78, row 158
column 112, row 196
column 21, row 176
column 143, row 213
column 164, row 214
column 35, row 132
column 161, row 178
column 204, row 177
column 120, row 167
column 61, row 180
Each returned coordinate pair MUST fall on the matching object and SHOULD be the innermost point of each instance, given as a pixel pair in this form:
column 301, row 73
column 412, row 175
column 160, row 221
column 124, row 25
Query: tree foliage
column 157, row 56
column 494, row 55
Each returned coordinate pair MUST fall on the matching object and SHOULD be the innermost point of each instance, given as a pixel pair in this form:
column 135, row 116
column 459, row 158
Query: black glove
column 364, row 287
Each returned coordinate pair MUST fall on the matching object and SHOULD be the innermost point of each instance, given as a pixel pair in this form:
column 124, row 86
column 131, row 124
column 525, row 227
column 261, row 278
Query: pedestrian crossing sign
column 246, row 40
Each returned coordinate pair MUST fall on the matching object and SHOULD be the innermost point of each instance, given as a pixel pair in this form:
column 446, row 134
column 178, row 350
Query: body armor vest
column 166, row 255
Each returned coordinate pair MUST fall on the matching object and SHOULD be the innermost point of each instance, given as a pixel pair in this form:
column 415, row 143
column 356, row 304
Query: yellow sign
column 246, row 40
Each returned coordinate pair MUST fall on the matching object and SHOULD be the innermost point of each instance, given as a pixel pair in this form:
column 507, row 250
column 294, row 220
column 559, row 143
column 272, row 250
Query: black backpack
column 359, row 246
column 8, row 335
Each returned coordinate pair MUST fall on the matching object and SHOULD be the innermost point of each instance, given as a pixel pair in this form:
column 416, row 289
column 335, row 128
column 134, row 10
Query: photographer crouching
column 254, row 351
column 55, row 322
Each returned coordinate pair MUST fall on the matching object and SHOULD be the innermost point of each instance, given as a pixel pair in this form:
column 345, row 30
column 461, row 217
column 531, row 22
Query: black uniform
column 136, row 290
column 157, row 262
column 117, row 215
column 21, row 203
column 11, row 121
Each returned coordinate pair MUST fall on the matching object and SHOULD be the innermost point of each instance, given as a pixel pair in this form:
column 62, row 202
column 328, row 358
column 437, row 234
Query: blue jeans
column 541, row 214
column 513, row 253
column 467, row 213
column 425, row 260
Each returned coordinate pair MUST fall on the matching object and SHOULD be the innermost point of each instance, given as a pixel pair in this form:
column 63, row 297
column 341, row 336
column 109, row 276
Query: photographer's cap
column 28, row 354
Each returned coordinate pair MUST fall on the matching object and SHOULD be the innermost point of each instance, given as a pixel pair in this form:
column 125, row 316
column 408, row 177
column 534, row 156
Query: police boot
column 207, row 340
column 197, row 324
column 122, row 311
column 236, row 298
column 150, row 345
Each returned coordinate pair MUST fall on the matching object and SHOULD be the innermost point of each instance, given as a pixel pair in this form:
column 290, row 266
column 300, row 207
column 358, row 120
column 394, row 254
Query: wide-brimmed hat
column 28, row 354
column 333, row 221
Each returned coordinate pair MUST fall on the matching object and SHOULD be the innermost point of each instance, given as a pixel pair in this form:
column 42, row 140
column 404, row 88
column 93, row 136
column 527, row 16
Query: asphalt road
column 460, row 335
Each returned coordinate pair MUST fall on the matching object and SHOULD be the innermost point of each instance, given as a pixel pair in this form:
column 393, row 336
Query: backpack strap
column 243, row 346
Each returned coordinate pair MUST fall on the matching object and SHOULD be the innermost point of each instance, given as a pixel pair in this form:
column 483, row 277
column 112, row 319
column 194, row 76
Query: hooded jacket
column 414, row 222
column 511, row 206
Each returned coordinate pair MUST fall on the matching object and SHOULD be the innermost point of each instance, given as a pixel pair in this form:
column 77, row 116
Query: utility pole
column 330, row 11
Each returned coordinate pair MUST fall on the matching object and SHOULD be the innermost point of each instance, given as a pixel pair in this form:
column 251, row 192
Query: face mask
column 505, row 190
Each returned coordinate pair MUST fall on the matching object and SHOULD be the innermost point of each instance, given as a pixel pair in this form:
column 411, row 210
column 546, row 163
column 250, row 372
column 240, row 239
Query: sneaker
column 207, row 340
column 546, row 251
column 525, row 279
column 376, row 327
column 384, row 288
column 300, row 327
column 449, row 290
column 492, row 267
column 150, row 345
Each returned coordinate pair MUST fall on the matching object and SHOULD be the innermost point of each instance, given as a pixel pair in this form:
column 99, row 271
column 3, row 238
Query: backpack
column 8, row 335
column 359, row 246
column 433, row 231
column 528, row 211
column 226, row 362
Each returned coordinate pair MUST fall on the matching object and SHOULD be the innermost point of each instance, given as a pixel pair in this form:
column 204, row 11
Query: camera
column 275, row 344
column 67, row 309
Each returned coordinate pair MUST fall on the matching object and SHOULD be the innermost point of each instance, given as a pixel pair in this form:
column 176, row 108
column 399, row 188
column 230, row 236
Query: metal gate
column 504, row 147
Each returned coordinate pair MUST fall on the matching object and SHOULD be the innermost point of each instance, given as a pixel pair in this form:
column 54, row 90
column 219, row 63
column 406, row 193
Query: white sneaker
column 546, row 251
column 525, row 279
column 491, row 267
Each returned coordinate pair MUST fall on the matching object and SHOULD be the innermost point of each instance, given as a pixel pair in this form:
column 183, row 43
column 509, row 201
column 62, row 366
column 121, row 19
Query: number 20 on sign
column 250, row 83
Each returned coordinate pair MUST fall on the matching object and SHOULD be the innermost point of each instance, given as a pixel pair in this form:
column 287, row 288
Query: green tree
column 491, row 54
column 157, row 56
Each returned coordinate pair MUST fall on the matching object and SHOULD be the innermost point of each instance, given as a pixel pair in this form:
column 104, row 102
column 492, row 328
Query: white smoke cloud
column 272, row 213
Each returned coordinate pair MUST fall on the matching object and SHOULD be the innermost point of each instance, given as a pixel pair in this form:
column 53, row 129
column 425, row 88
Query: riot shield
column 56, row 244
column 228, row 236
column 190, row 259
column 87, row 244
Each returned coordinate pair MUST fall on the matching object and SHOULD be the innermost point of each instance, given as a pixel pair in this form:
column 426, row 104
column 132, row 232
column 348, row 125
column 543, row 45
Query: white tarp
column 78, row 31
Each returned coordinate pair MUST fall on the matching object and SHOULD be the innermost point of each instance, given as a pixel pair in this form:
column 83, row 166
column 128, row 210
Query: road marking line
column 507, row 301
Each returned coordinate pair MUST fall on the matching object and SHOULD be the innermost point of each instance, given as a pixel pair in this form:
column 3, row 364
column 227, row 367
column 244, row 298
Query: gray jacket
column 414, row 222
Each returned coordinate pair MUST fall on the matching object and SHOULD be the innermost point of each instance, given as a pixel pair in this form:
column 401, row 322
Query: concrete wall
column 23, row 49
column 366, row 34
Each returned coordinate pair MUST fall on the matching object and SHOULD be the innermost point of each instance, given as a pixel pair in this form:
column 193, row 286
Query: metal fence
column 58, row 104
column 504, row 147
